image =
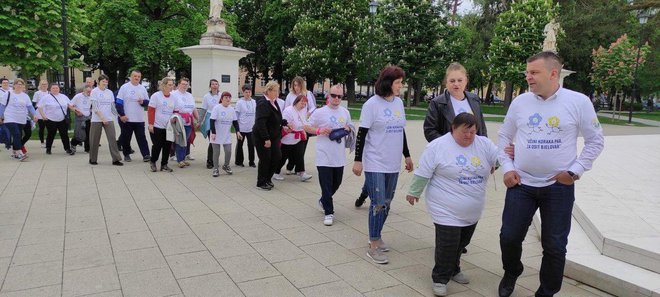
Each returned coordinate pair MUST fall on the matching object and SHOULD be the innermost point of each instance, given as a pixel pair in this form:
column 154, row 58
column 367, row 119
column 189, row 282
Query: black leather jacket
column 440, row 115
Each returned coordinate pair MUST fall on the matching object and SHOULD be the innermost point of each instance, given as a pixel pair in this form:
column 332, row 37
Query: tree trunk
column 350, row 89
column 508, row 94
column 418, row 92
column 489, row 91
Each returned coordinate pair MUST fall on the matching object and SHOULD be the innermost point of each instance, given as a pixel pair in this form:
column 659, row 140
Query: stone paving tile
column 82, row 239
column 15, row 218
column 418, row 277
column 132, row 241
column 278, row 250
column 169, row 228
column 212, row 230
column 7, row 247
column 305, row 272
column 197, row 217
column 193, row 264
column 339, row 288
column 4, row 266
column 303, row 235
column 400, row 290
column 10, row 231
column 247, row 267
column 269, row 287
column 228, row 247
column 87, row 257
column 363, row 276
column 282, row 222
column 36, row 253
column 33, row 276
column 85, row 224
column 153, row 204
column 216, row 284
column 148, row 283
column 257, row 233
column 329, row 253
column 180, row 244
column 139, row 260
column 115, row 293
column 48, row 291
column 90, row 281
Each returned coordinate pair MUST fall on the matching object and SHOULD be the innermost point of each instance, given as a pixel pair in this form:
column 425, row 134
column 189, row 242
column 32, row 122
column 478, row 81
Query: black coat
column 440, row 115
column 267, row 122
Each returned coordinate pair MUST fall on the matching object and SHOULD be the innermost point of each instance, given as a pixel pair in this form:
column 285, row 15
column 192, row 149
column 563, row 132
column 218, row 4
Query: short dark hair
column 466, row 119
column 247, row 87
column 136, row 71
column 300, row 98
column 213, row 80
column 184, row 79
column 548, row 56
column 103, row 77
column 3, row 80
column 388, row 75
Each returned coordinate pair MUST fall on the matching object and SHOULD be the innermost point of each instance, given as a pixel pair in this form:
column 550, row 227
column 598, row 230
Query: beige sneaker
column 377, row 256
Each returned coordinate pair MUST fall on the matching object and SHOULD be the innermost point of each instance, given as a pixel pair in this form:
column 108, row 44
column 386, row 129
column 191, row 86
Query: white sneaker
column 304, row 176
column 172, row 158
column 289, row 172
column 439, row 289
column 276, row 176
column 190, row 157
column 328, row 220
column 43, row 145
column 321, row 209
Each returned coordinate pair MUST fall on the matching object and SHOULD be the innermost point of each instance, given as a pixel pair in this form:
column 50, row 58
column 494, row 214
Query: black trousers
column 127, row 131
column 159, row 145
column 27, row 132
column 295, row 154
column 55, row 127
column 250, row 148
column 269, row 159
column 449, row 244
column 75, row 142
column 42, row 127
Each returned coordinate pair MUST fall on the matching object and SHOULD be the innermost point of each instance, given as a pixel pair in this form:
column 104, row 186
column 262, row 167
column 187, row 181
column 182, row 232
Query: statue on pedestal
column 215, row 9
column 216, row 33
column 550, row 31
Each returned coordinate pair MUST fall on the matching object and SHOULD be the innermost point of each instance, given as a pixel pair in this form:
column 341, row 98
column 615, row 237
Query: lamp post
column 642, row 17
column 65, row 45
column 373, row 9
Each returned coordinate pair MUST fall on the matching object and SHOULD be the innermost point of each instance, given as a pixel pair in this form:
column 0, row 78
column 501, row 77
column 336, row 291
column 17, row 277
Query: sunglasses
column 336, row 96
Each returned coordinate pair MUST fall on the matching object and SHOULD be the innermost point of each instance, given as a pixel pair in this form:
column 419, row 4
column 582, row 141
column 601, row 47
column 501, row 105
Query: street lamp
column 373, row 9
column 643, row 16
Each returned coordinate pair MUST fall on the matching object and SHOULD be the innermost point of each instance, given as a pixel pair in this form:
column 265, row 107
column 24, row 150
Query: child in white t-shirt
column 223, row 117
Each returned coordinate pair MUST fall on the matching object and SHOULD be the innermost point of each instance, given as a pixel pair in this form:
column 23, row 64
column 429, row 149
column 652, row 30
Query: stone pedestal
column 216, row 34
column 214, row 61
column 564, row 73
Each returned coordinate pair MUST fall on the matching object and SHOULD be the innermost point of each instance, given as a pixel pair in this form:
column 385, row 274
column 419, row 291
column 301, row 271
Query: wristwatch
column 573, row 175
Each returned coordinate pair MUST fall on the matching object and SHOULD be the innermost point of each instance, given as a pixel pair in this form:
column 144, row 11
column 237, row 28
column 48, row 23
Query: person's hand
column 564, row 178
column 347, row 128
column 105, row 123
column 287, row 129
column 325, row 131
column 45, row 118
column 267, row 144
column 412, row 199
column 492, row 170
column 173, row 120
column 124, row 119
column 2, row 121
column 510, row 150
column 357, row 168
column 197, row 125
column 511, row 179
column 151, row 129
column 409, row 164
column 140, row 101
column 35, row 119
column 212, row 137
column 239, row 136
column 78, row 112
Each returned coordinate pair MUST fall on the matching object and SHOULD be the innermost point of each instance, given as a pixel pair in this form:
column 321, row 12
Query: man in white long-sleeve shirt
column 544, row 125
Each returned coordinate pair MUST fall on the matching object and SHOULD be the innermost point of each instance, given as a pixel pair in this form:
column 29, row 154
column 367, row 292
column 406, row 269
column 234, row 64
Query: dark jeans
column 269, row 159
column 15, row 131
column 449, row 244
column 247, row 136
column 42, row 127
column 159, row 144
column 329, row 180
column 127, row 131
column 55, row 127
column 295, row 154
column 292, row 163
column 27, row 132
column 555, row 203
column 75, row 142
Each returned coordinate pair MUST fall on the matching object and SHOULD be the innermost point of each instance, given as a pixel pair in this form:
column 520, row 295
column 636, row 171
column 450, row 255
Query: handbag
column 67, row 117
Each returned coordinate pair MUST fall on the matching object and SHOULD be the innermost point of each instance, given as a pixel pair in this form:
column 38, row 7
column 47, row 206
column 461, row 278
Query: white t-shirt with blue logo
column 104, row 99
column 187, row 102
column 330, row 153
column 223, row 116
column 461, row 106
column 245, row 110
column 82, row 102
column 383, row 147
column 165, row 107
column 456, row 192
column 131, row 94
column 16, row 108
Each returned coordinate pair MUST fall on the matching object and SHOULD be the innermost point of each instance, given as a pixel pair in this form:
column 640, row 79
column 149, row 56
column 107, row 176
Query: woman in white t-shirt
column 104, row 112
column 381, row 141
column 53, row 110
column 210, row 100
column 82, row 106
column 454, row 169
column 297, row 89
column 293, row 146
column 41, row 93
column 162, row 105
column 13, row 113
column 223, row 117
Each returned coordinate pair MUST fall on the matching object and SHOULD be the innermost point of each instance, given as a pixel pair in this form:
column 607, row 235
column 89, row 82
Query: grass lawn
column 646, row 115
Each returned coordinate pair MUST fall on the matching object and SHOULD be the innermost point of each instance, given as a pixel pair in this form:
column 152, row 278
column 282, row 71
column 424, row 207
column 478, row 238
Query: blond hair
column 272, row 85
column 455, row 66
column 164, row 81
column 298, row 80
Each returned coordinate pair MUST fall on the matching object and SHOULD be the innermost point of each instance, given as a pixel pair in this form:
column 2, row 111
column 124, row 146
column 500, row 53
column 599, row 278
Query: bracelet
column 318, row 131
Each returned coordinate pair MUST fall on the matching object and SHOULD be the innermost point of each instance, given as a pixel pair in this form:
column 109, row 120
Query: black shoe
column 146, row 159
column 209, row 166
column 360, row 200
column 153, row 167
column 48, row 152
column 270, row 184
column 165, row 168
column 252, row 165
column 127, row 158
column 507, row 284
column 93, row 163
column 132, row 151
column 464, row 251
column 264, row 187
column 70, row 152
column 117, row 163
column 240, row 165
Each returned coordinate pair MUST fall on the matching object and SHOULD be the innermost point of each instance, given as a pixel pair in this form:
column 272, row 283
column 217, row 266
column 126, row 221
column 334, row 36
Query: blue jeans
column 380, row 187
column 181, row 150
column 555, row 203
column 15, row 133
column 329, row 180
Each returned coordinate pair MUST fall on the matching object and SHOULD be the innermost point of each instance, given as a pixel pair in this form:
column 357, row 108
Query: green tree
column 518, row 35
column 32, row 30
column 250, row 26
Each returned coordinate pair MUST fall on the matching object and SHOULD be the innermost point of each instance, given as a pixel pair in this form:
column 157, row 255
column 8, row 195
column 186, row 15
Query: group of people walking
column 537, row 150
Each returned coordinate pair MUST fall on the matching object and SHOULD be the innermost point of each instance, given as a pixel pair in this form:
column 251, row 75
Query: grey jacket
column 440, row 115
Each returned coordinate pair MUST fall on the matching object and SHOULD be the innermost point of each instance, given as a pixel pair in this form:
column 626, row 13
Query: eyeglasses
column 336, row 96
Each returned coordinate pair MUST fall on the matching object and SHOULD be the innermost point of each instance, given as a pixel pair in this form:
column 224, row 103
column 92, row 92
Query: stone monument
column 551, row 30
column 215, row 57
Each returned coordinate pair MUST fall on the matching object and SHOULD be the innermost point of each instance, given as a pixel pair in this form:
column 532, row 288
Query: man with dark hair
column 131, row 100
column 544, row 123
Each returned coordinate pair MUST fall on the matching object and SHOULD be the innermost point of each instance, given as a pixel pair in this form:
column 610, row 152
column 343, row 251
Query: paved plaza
column 71, row 229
